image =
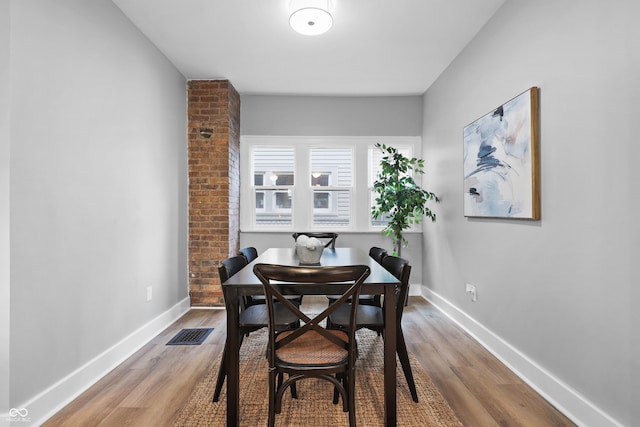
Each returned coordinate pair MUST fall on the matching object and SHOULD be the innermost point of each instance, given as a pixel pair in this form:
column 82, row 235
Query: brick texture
column 214, row 185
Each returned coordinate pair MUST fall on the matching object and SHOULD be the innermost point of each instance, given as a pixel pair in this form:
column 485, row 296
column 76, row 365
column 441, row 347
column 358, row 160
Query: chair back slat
column 276, row 277
column 250, row 253
column 231, row 266
column 377, row 253
column 331, row 243
column 228, row 268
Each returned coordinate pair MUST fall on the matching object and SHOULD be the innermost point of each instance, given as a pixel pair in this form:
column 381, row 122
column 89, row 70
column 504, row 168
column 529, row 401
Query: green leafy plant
column 398, row 198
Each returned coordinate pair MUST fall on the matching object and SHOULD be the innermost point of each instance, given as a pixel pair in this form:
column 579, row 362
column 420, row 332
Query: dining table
column 245, row 282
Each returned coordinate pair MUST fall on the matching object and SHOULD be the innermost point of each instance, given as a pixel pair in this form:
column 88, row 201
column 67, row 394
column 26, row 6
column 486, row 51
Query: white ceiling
column 376, row 47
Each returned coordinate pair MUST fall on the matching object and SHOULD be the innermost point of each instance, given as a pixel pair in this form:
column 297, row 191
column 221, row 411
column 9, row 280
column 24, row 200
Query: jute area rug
column 314, row 405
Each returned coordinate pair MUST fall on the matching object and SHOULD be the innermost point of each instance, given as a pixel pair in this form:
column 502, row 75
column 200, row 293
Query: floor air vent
column 190, row 336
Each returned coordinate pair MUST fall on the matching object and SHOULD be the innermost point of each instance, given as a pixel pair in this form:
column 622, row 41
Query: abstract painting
column 501, row 171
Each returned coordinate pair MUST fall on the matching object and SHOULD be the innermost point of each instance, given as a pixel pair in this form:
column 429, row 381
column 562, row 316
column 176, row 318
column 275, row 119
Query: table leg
column 390, row 356
column 233, row 359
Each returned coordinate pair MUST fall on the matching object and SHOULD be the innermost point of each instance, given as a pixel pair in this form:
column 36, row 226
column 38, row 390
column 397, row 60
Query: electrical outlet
column 471, row 289
column 149, row 293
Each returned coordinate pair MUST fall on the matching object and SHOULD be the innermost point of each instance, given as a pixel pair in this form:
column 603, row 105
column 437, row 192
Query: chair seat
column 256, row 316
column 368, row 316
column 311, row 350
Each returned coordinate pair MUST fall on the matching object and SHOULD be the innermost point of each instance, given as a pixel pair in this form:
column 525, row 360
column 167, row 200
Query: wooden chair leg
column 403, row 355
column 222, row 374
column 346, row 399
column 351, row 390
column 222, row 370
column 292, row 387
column 294, row 391
column 272, row 400
column 341, row 378
column 280, row 379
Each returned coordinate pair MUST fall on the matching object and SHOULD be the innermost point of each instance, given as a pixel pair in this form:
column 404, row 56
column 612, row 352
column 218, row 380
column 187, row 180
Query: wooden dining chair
column 331, row 243
column 252, row 318
column 311, row 350
column 377, row 254
column 372, row 317
column 250, row 253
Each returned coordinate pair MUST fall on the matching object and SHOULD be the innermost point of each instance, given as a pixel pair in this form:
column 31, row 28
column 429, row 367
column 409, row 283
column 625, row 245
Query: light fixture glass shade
column 310, row 17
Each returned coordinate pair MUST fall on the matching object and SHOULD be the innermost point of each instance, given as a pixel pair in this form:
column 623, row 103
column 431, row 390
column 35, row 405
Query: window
column 311, row 183
column 273, row 181
column 331, row 183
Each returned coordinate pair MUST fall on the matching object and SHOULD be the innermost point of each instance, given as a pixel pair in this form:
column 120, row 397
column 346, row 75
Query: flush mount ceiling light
column 310, row 17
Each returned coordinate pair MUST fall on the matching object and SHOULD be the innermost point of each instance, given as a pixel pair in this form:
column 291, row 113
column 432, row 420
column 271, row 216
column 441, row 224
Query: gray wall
column 325, row 116
column 335, row 116
column 563, row 290
column 98, row 187
column 4, row 210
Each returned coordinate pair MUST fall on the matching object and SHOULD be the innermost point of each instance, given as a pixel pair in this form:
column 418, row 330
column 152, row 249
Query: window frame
column 302, row 211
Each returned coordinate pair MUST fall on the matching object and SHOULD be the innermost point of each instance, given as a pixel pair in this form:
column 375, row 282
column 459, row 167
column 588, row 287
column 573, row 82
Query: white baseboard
column 415, row 289
column 54, row 398
column 571, row 403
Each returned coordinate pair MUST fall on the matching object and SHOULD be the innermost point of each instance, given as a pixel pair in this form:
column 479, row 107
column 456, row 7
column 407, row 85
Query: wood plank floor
column 150, row 387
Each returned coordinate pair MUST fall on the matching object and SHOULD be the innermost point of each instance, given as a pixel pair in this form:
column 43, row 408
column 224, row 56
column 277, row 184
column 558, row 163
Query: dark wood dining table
column 245, row 282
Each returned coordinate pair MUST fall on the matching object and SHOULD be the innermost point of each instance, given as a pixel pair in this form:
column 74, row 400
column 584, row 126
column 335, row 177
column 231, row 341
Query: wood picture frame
column 501, row 161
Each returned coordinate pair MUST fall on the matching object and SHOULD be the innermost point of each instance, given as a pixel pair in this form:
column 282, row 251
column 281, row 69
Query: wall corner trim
column 54, row 398
column 571, row 403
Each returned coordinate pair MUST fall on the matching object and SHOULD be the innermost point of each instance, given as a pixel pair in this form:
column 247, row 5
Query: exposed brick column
column 214, row 185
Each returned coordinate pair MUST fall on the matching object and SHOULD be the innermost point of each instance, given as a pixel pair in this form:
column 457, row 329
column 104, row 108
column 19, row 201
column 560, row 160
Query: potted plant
column 398, row 197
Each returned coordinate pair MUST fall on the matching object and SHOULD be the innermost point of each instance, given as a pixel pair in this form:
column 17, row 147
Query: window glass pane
column 319, row 179
column 321, row 200
column 273, row 162
column 331, row 208
column 273, row 207
column 273, row 167
column 283, row 178
column 260, row 200
column 283, row 200
column 331, row 167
